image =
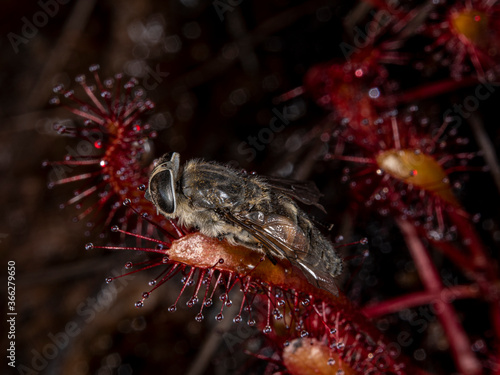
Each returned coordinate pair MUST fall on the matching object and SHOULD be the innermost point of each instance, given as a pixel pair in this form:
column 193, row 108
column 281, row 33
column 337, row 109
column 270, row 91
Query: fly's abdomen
column 330, row 261
column 321, row 253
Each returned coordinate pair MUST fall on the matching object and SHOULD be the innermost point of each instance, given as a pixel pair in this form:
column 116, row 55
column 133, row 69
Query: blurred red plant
column 407, row 165
column 407, row 160
column 469, row 32
column 115, row 152
column 460, row 35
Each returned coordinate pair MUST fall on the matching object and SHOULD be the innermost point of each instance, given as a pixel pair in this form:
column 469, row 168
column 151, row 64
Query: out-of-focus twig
column 487, row 147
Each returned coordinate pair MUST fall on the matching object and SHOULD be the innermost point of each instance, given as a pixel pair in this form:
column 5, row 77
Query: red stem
column 471, row 239
column 420, row 298
column 428, row 90
column 460, row 345
column 460, row 258
column 487, row 275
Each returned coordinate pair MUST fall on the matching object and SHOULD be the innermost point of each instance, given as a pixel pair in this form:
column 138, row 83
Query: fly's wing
column 283, row 238
column 303, row 191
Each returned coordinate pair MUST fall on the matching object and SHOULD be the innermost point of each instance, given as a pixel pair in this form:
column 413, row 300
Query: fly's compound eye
column 161, row 187
column 161, row 190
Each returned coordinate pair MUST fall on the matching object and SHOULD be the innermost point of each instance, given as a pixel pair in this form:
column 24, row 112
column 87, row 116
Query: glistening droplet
column 199, row 317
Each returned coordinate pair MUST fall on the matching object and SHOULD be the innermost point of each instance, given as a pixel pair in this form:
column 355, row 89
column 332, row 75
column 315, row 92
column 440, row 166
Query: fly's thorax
column 209, row 186
column 215, row 186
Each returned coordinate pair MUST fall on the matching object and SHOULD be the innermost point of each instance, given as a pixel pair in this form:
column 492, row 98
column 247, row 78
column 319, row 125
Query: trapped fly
column 246, row 209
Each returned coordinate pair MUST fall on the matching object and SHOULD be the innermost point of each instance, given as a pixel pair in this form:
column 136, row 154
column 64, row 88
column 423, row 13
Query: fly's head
column 161, row 190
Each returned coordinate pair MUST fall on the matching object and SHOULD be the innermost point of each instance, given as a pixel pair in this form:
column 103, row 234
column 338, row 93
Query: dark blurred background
column 214, row 70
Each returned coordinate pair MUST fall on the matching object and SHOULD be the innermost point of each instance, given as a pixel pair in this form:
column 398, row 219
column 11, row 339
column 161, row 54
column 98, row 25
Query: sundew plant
column 388, row 108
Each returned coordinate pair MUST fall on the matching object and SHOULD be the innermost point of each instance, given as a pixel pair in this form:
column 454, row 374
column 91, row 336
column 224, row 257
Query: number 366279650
column 11, row 286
